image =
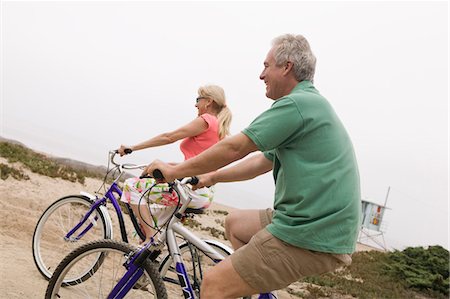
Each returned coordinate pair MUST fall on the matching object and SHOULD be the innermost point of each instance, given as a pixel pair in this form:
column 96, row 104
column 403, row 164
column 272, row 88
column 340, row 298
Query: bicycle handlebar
column 157, row 174
column 124, row 166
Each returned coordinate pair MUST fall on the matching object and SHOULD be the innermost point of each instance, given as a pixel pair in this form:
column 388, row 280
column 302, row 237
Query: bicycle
column 113, row 269
column 75, row 220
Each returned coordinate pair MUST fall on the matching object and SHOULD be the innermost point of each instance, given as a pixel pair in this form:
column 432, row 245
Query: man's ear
column 288, row 67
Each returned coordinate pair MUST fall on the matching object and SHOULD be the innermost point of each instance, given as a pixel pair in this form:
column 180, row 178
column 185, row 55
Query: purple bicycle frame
column 128, row 280
column 102, row 201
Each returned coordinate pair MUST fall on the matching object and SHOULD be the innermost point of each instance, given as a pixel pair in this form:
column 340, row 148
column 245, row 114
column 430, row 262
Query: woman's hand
column 122, row 149
column 205, row 180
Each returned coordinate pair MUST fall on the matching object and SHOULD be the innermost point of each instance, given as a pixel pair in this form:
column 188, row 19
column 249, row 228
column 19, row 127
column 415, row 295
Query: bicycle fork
column 135, row 270
column 180, row 268
column 92, row 222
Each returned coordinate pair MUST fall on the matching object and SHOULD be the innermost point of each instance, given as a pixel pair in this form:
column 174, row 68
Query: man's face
column 273, row 77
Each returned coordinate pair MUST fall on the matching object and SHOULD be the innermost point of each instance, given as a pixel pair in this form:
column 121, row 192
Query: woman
column 211, row 125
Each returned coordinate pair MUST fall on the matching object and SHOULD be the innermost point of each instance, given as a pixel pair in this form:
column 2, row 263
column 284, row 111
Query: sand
column 23, row 202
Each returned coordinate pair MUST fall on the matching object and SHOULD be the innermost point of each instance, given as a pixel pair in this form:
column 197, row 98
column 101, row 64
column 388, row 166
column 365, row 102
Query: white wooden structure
column 372, row 224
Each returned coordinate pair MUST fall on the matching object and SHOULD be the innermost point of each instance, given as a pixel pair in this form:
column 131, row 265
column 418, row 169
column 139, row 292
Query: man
column 314, row 224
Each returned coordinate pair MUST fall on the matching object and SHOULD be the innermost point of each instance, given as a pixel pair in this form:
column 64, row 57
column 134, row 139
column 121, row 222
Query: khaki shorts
column 266, row 263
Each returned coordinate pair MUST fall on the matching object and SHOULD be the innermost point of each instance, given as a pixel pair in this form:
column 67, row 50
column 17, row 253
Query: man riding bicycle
column 315, row 219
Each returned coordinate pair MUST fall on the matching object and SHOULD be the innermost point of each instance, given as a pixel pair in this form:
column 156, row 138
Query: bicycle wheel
column 196, row 262
column 50, row 246
column 104, row 275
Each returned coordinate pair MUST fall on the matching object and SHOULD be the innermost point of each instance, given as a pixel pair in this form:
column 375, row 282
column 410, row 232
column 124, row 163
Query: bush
column 421, row 269
column 39, row 163
column 362, row 279
column 6, row 171
column 399, row 274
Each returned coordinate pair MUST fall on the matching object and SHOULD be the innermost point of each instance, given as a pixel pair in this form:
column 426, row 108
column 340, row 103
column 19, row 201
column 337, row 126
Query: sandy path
column 22, row 203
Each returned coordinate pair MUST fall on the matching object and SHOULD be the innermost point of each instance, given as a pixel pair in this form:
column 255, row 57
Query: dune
column 23, row 201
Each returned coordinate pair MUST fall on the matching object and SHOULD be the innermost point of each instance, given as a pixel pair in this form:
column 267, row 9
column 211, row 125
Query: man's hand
column 166, row 169
column 205, row 180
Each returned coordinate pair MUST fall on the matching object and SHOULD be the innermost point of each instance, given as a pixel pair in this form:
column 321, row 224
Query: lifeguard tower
column 372, row 225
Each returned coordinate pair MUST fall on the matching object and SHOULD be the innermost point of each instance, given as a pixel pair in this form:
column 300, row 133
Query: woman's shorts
column 266, row 263
column 134, row 189
column 159, row 200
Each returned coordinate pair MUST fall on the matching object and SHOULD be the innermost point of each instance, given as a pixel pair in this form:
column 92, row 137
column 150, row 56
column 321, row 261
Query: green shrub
column 41, row 164
column 6, row 171
column 191, row 222
column 422, row 269
column 220, row 212
column 398, row 274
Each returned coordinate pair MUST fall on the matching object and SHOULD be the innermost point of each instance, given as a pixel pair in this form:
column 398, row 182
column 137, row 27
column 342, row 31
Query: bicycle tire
column 49, row 246
column 167, row 270
column 106, row 274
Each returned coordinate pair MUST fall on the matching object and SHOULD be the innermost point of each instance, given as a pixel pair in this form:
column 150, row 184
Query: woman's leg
column 135, row 193
column 142, row 213
column 201, row 198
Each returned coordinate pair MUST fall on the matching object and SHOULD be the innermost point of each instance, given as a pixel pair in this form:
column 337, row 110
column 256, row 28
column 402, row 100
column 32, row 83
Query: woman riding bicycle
column 211, row 125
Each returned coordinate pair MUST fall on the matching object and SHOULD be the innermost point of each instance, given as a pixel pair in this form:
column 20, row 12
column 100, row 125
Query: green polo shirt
column 317, row 192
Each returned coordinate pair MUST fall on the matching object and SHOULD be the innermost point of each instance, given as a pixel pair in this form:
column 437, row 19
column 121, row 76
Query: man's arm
column 247, row 169
column 221, row 154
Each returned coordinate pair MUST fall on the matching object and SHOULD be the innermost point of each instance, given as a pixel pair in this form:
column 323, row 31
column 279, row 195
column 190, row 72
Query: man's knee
column 230, row 221
column 231, row 224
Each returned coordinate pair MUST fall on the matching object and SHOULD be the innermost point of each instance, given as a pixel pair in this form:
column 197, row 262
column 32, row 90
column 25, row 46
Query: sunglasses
column 199, row 98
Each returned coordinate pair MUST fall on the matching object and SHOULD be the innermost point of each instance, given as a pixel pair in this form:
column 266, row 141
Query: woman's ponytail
column 224, row 116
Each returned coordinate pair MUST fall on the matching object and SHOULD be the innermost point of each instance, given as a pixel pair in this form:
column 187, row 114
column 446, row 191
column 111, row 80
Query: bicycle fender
column 219, row 244
column 104, row 211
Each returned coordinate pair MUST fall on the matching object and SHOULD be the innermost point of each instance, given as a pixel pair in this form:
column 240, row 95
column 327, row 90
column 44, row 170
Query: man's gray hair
column 296, row 49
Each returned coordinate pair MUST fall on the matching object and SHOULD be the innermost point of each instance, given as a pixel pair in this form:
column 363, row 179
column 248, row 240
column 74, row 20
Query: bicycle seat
column 194, row 211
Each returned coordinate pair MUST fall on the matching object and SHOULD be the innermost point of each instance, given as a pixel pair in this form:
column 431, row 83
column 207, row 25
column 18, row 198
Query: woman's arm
column 194, row 128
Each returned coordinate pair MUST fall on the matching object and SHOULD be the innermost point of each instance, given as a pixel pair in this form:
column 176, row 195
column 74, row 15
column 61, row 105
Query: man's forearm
column 248, row 169
column 221, row 154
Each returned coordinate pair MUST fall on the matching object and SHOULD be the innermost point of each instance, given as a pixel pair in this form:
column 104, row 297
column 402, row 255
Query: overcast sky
column 80, row 78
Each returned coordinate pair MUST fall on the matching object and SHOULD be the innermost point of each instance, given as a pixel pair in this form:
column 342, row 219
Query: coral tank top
column 192, row 146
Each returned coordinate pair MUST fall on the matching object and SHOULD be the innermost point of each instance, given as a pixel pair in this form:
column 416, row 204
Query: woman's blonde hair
column 217, row 94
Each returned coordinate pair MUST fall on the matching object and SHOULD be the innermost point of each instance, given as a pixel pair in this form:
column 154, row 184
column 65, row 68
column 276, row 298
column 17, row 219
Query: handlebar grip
column 157, row 174
column 127, row 151
column 194, row 180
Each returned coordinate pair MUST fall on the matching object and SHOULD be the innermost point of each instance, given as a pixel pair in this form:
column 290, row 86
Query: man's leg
column 222, row 281
column 241, row 225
